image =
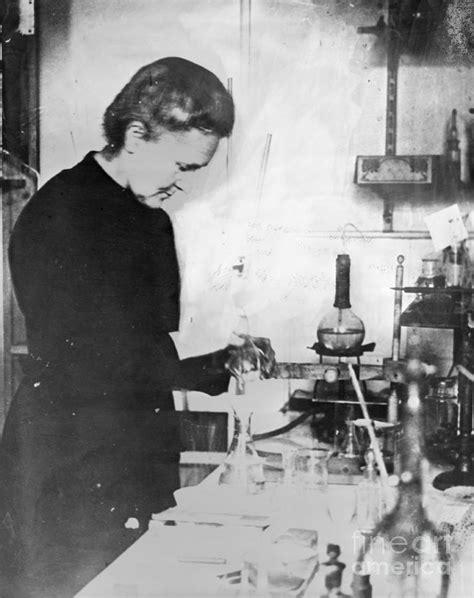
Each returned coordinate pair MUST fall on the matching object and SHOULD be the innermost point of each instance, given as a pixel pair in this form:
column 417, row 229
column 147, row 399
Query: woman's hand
column 254, row 358
column 267, row 355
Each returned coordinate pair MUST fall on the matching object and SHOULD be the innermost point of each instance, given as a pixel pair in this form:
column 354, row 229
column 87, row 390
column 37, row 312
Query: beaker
column 310, row 469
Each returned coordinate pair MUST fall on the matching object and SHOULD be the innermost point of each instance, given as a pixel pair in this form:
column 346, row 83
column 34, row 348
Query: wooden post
column 391, row 31
column 2, row 275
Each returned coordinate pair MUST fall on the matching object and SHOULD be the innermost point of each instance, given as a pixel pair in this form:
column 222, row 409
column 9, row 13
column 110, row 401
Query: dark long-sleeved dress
column 88, row 441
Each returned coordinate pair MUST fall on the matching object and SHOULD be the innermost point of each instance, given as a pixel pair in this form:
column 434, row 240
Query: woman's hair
column 173, row 93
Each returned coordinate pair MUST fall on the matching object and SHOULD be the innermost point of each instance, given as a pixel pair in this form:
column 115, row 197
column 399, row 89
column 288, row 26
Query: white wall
column 318, row 88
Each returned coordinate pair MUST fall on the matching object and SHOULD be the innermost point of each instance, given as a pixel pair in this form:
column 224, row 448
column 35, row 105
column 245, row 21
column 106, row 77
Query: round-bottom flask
column 341, row 330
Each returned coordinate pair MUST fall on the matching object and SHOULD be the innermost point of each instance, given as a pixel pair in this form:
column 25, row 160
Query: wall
column 318, row 88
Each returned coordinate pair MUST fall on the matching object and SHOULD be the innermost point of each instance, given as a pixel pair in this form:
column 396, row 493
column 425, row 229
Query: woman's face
column 156, row 169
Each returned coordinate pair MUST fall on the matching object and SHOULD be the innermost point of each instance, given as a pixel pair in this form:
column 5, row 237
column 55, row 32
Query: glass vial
column 369, row 497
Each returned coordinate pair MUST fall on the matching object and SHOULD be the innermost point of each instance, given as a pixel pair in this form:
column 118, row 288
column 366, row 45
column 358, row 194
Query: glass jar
column 456, row 265
column 441, row 411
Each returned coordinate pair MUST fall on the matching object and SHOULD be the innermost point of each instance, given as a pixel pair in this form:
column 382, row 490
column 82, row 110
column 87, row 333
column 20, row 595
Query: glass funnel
column 341, row 330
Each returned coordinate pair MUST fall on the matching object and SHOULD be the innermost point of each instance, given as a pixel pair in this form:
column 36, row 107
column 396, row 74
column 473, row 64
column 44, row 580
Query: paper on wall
column 446, row 227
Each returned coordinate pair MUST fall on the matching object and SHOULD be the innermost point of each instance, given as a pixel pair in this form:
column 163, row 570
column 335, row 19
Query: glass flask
column 341, row 330
column 243, row 468
column 245, row 361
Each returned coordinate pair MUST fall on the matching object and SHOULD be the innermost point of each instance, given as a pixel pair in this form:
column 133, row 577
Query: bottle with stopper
column 453, row 154
column 333, row 569
column 341, row 330
column 405, row 545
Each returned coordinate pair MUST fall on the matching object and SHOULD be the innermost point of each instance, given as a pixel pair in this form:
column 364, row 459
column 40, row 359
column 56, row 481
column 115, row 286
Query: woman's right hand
column 255, row 356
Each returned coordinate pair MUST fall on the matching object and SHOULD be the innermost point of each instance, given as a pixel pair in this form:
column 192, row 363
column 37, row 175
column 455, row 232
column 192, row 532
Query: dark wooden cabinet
column 19, row 180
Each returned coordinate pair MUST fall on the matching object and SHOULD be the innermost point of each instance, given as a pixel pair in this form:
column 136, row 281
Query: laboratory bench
column 202, row 548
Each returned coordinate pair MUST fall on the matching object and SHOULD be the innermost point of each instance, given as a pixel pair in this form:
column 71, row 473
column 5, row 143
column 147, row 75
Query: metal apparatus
column 394, row 371
column 311, row 405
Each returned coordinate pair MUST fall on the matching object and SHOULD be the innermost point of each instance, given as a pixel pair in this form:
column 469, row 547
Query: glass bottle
column 333, row 569
column 361, row 586
column 471, row 151
column 453, row 153
column 456, row 264
column 245, row 361
column 341, row 330
column 369, row 497
column 350, row 446
column 406, row 557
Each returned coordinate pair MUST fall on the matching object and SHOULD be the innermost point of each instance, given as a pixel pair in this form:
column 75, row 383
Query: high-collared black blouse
column 96, row 275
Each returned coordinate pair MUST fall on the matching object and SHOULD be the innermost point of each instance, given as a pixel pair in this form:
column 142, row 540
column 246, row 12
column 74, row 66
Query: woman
column 88, row 442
